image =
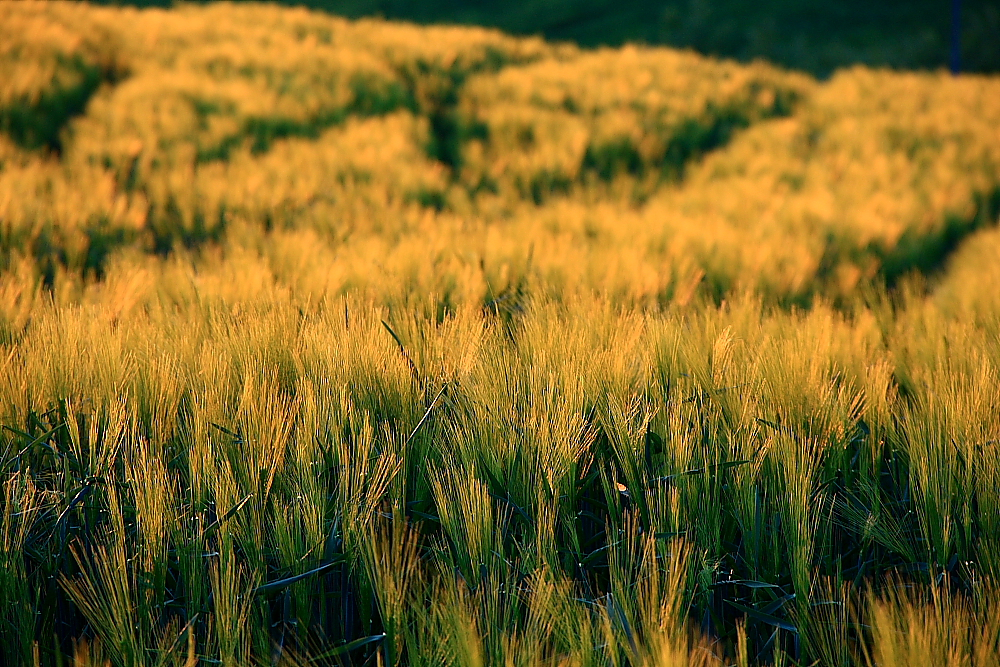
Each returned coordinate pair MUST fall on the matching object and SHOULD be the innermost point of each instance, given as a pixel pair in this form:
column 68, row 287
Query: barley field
column 332, row 342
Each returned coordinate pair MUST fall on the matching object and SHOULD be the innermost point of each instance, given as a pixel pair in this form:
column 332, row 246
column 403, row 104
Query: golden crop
column 239, row 113
column 515, row 352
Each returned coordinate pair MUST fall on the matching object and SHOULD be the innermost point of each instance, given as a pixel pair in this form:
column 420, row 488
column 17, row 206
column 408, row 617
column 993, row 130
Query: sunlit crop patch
column 333, row 342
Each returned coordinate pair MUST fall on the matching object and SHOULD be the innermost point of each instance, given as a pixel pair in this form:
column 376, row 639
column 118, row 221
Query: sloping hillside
column 362, row 342
column 190, row 122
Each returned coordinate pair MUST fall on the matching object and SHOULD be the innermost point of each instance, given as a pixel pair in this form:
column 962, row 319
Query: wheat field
column 354, row 342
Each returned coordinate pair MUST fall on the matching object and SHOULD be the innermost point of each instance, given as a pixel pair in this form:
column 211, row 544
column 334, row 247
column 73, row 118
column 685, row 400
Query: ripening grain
column 332, row 342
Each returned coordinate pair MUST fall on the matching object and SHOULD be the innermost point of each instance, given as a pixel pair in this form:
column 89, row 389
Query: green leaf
column 283, row 583
column 427, row 413
column 348, row 647
column 214, row 526
column 40, row 440
column 745, row 582
column 717, row 467
column 773, row 621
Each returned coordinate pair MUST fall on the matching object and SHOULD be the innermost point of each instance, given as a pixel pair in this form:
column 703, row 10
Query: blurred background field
column 362, row 342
